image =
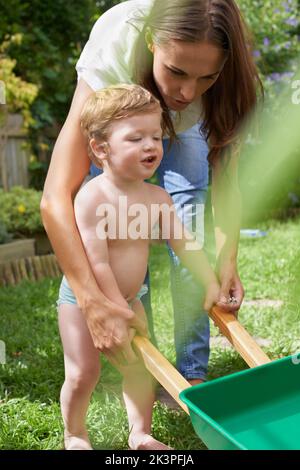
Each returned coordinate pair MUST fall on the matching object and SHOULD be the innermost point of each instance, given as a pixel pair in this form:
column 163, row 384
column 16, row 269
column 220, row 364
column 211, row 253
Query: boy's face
column 135, row 146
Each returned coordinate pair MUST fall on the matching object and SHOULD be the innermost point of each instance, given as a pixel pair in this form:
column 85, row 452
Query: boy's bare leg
column 82, row 370
column 139, row 396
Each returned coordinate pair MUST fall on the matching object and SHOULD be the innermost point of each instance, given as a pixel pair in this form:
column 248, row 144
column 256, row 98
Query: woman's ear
column 149, row 40
column 99, row 149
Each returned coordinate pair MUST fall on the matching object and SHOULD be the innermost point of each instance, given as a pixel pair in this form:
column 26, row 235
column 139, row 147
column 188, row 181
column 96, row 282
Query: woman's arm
column 226, row 202
column 68, row 168
column 94, row 239
column 69, row 165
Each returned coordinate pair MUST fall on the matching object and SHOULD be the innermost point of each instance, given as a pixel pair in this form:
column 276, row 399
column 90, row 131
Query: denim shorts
column 66, row 295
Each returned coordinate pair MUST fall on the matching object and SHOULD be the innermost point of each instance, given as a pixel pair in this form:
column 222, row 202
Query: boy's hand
column 116, row 359
column 232, row 291
column 138, row 308
column 212, row 295
column 109, row 325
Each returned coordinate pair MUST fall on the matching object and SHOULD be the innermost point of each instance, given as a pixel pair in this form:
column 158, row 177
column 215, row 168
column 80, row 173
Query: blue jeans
column 183, row 173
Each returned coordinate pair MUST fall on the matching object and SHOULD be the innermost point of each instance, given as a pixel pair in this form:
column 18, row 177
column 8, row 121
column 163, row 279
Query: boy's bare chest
column 127, row 219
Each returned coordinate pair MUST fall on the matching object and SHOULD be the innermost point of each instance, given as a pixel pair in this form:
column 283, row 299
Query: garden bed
column 17, row 249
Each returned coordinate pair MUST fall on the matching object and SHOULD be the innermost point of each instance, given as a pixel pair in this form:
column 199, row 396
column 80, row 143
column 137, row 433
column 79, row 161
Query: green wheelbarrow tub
column 256, row 409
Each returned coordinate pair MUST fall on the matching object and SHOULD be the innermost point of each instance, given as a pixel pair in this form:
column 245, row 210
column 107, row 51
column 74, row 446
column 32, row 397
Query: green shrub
column 19, row 93
column 20, row 211
column 275, row 25
column 4, row 235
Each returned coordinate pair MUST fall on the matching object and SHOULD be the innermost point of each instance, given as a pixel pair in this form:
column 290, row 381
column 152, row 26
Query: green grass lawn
column 30, row 380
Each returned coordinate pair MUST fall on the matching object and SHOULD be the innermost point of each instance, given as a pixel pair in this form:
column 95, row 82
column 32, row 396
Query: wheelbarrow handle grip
column 164, row 372
column 244, row 344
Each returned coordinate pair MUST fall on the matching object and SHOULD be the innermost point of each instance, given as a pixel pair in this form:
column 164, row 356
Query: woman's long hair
column 234, row 95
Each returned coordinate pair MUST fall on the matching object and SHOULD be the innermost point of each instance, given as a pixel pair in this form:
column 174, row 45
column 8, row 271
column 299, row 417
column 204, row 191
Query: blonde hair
column 110, row 104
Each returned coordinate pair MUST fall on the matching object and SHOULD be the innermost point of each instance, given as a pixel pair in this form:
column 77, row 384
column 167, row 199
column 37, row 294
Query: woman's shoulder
column 107, row 57
column 119, row 17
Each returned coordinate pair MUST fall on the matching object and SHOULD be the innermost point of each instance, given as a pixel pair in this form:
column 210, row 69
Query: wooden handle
column 169, row 377
column 239, row 337
column 161, row 369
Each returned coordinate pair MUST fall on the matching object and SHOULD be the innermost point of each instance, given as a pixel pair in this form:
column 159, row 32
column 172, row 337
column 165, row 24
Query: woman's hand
column 231, row 292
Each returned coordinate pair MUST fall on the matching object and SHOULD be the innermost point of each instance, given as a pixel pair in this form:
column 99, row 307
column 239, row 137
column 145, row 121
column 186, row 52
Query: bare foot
column 80, row 442
column 146, row 442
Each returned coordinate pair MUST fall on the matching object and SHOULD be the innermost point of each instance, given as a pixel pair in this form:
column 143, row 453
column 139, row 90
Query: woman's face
column 183, row 71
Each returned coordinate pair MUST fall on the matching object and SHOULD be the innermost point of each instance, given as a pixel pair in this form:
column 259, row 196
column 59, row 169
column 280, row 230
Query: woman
column 194, row 56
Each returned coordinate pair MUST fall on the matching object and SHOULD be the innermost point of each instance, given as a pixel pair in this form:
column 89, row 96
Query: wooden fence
column 32, row 268
column 15, row 156
column 14, row 152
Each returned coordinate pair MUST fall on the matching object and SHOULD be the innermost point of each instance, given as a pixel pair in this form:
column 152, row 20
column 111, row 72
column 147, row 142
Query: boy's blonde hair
column 110, row 104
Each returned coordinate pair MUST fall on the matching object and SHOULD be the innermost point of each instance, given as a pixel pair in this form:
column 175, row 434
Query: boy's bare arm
column 189, row 251
column 226, row 205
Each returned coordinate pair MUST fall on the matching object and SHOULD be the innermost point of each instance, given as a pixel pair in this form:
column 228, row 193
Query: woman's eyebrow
column 184, row 73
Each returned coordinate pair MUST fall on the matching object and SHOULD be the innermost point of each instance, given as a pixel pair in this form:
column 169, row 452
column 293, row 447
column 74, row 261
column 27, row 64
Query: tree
column 52, row 37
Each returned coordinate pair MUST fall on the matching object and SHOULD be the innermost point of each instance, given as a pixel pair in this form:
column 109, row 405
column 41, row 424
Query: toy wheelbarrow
column 255, row 409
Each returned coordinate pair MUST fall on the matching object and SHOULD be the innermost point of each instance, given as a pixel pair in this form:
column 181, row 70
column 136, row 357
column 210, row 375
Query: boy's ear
column 99, row 149
column 149, row 40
